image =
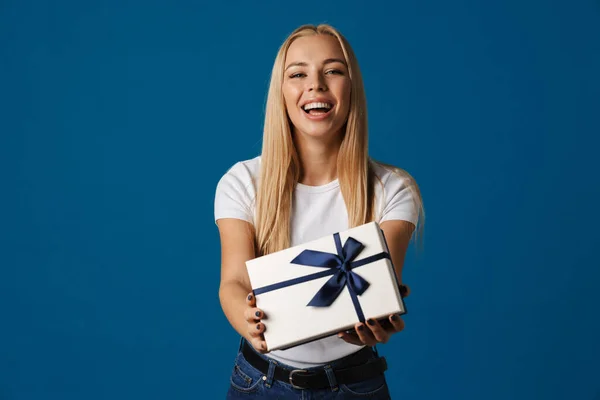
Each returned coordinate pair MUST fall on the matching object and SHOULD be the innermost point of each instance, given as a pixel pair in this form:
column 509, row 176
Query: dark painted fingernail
column 249, row 297
column 394, row 317
column 371, row 322
column 361, row 327
column 257, row 313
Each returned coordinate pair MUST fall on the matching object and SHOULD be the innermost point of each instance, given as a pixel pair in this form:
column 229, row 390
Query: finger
column 365, row 335
column 380, row 334
column 256, row 330
column 351, row 338
column 397, row 322
column 253, row 314
column 251, row 300
column 259, row 344
column 404, row 290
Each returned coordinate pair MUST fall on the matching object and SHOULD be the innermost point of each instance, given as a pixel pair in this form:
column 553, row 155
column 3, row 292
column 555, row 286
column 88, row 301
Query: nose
column 317, row 83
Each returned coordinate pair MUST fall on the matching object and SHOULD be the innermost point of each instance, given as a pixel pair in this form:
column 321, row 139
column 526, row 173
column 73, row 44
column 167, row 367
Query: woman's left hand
column 372, row 333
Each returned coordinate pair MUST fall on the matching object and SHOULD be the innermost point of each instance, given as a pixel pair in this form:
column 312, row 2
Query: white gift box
column 284, row 285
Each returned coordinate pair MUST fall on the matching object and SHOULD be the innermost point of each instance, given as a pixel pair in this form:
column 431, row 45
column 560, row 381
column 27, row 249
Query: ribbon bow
column 344, row 276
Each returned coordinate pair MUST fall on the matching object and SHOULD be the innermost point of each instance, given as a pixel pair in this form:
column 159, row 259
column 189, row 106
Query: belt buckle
column 291, row 378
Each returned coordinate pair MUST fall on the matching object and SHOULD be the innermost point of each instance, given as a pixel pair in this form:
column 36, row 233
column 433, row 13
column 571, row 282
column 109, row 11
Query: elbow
column 229, row 288
column 223, row 289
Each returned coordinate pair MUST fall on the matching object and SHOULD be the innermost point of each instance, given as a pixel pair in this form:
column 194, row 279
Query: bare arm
column 237, row 247
column 397, row 235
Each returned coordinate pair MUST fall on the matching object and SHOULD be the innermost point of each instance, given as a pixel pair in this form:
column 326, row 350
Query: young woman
column 313, row 178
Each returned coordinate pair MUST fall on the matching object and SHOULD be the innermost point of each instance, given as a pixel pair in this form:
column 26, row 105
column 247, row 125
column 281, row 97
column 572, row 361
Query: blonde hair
column 280, row 163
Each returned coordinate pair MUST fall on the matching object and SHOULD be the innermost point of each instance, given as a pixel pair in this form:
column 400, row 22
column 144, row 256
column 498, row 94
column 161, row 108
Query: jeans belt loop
column 331, row 378
column 270, row 373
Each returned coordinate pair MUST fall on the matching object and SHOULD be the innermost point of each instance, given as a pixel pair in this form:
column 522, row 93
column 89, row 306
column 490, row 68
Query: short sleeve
column 232, row 196
column 399, row 201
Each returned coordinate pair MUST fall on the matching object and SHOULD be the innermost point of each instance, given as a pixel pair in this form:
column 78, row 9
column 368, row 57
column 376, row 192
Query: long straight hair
column 280, row 163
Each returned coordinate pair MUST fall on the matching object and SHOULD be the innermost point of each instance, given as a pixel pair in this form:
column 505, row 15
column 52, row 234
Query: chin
column 317, row 133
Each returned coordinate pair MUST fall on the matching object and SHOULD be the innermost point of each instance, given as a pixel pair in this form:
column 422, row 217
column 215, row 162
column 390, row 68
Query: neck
column 318, row 160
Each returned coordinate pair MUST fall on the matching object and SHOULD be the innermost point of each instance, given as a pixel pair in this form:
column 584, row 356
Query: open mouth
column 317, row 108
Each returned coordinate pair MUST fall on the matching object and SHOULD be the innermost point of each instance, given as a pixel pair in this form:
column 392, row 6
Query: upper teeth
column 310, row 106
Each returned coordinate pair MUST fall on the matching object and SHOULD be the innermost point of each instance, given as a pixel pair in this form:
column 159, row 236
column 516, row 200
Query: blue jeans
column 249, row 383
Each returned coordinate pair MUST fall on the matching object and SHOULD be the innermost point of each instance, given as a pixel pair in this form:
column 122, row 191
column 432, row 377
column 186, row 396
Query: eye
column 335, row 72
column 297, row 75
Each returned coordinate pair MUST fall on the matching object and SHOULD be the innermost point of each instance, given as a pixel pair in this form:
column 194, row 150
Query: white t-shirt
column 317, row 211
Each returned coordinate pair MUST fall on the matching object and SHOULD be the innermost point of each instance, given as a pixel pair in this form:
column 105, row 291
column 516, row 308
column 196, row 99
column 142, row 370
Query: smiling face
column 316, row 86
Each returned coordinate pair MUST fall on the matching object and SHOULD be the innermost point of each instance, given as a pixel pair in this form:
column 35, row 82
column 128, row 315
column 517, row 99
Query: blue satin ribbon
column 340, row 266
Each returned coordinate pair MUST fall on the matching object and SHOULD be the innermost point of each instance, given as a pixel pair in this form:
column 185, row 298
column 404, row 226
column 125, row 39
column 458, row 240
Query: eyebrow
column 327, row 61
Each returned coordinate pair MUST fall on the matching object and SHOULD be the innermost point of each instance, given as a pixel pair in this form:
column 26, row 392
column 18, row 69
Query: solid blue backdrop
column 119, row 117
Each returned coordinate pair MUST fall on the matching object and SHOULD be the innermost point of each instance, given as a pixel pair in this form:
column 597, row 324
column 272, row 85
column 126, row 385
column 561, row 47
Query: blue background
column 119, row 117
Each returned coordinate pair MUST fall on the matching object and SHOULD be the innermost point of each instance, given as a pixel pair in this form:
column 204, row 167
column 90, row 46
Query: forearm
column 233, row 302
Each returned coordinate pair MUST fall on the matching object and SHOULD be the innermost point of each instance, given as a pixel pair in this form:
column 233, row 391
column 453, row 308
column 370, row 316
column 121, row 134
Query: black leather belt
column 365, row 368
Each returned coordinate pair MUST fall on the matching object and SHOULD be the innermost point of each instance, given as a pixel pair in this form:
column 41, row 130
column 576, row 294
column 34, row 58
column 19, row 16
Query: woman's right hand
column 256, row 328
